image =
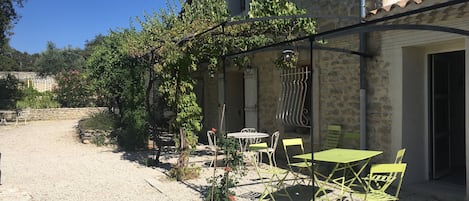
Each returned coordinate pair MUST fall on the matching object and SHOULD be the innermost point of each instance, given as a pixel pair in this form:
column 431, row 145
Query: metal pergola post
column 311, row 126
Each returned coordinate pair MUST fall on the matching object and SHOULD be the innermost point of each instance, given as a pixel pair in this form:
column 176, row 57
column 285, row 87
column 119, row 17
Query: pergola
column 359, row 28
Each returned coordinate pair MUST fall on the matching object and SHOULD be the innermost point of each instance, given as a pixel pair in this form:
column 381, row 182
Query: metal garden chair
column 272, row 178
column 379, row 179
column 381, row 194
column 212, row 144
column 264, row 148
column 301, row 165
column 332, row 138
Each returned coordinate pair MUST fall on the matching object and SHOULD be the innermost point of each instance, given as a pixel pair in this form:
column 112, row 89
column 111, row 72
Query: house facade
column 412, row 95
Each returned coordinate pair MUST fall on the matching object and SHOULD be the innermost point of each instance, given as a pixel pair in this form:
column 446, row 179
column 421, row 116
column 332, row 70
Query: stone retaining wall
column 63, row 113
column 56, row 113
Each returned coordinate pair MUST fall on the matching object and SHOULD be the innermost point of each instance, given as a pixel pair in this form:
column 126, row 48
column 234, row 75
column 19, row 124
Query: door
column 250, row 98
column 447, row 113
column 234, row 101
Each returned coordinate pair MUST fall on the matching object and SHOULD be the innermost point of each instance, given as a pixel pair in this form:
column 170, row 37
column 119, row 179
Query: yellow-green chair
column 378, row 180
column 332, row 137
column 299, row 166
column 381, row 194
column 272, row 178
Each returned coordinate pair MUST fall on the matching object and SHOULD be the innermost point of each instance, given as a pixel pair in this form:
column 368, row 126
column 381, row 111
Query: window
column 294, row 101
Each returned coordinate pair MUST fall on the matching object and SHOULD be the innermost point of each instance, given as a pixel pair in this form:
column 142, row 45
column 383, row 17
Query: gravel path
column 44, row 161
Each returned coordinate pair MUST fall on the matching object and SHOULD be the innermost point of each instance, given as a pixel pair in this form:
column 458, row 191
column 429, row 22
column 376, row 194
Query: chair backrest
column 212, row 138
column 332, row 137
column 24, row 113
column 350, row 140
column 248, row 130
column 400, row 155
column 386, row 169
column 292, row 142
column 274, row 140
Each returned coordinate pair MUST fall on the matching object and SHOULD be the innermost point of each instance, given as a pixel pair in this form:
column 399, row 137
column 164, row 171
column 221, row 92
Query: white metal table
column 246, row 138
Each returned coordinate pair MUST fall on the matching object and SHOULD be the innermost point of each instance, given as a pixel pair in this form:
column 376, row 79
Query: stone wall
column 63, row 113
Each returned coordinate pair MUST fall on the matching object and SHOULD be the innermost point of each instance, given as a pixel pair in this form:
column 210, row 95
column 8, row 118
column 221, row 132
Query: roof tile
column 387, row 8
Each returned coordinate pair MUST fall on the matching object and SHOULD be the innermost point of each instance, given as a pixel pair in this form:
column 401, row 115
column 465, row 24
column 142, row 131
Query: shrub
column 37, row 100
column 9, row 92
column 72, row 89
column 184, row 173
column 98, row 140
column 101, row 121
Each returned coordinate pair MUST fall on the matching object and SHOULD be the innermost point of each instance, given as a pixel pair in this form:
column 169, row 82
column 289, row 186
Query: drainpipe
column 363, row 83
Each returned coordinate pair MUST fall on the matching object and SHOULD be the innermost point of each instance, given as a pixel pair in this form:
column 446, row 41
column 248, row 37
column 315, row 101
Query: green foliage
column 8, row 17
column 184, row 173
column 36, row 100
column 234, row 169
column 103, row 121
column 99, row 121
column 221, row 190
column 98, row 140
column 134, row 134
column 72, row 89
column 9, row 92
column 54, row 60
column 13, row 60
column 120, row 79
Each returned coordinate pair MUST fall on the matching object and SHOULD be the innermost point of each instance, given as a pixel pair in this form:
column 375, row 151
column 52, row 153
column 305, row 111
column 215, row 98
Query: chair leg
column 273, row 158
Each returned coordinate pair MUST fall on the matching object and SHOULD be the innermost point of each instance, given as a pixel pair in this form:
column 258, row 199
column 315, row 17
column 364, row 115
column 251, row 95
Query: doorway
column 447, row 117
column 234, row 101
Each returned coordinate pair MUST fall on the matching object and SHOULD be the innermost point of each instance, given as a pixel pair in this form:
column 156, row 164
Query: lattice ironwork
column 291, row 109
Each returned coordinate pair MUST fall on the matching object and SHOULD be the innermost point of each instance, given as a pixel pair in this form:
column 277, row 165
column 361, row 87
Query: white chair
column 250, row 130
column 270, row 151
column 212, row 144
column 23, row 114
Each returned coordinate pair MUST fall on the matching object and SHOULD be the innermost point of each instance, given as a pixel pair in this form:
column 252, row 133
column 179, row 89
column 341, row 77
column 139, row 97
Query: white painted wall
column 406, row 52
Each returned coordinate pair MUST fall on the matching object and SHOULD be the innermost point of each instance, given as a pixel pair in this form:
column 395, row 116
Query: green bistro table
column 345, row 160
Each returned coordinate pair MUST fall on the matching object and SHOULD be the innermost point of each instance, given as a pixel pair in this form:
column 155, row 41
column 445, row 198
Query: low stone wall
column 63, row 113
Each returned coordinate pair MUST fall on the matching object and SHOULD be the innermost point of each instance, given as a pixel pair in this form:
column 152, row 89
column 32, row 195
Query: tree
column 13, row 60
column 72, row 89
column 54, row 60
column 119, row 79
column 9, row 92
column 8, row 17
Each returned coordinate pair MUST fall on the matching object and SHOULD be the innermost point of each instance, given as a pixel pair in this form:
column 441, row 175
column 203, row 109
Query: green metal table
column 345, row 160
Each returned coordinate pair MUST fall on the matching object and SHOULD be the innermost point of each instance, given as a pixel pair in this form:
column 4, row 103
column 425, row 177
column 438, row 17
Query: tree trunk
column 184, row 156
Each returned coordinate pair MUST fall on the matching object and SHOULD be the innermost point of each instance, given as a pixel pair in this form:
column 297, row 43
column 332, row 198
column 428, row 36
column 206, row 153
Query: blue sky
column 72, row 22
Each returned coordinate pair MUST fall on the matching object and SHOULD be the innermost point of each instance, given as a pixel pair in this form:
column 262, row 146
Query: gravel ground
column 44, row 161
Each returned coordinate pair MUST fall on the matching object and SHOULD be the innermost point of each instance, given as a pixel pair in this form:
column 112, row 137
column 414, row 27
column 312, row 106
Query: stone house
column 409, row 93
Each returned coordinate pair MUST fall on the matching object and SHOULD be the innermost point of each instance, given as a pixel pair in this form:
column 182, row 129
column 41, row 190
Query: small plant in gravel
column 185, row 173
column 233, row 170
column 98, row 140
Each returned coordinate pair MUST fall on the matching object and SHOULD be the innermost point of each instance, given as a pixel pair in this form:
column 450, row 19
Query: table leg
column 356, row 175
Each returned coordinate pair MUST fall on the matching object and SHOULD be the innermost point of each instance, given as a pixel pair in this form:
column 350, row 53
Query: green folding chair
column 299, row 166
column 381, row 194
column 378, row 180
column 332, row 137
column 272, row 178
